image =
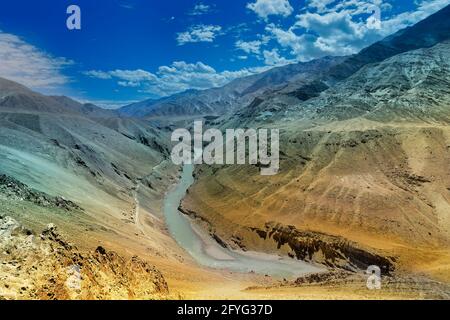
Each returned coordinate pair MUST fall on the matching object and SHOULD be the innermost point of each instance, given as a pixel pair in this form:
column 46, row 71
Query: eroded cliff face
column 320, row 248
column 331, row 251
column 46, row 266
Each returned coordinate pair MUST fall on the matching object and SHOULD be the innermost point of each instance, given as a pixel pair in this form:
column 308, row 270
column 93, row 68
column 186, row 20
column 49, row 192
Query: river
column 207, row 252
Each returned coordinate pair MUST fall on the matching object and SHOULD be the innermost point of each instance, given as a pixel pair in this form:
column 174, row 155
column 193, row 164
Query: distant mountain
column 87, row 109
column 48, row 141
column 410, row 86
column 219, row 101
column 85, row 168
column 425, row 34
column 16, row 97
column 283, row 86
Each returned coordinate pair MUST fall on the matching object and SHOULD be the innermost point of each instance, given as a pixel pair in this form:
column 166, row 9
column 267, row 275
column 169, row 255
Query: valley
column 363, row 180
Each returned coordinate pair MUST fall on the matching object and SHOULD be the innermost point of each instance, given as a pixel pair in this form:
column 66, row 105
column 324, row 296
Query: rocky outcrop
column 331, row 251
column 50, row 267
column 323, row 277
column 12, row 188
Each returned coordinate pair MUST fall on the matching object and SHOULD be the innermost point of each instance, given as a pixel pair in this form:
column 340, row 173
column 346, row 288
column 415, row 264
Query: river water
column 209, row 253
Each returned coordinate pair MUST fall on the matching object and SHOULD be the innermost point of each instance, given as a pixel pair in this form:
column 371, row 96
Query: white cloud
column 179, row 76
column 288, row 39
column 28, row 65
column 138, row 75
column 199, row 33
column 200, row 9
column 273, row 58
column 343, row 28
column 128, row 78
column 97, row 74
column 319, row 5
column 253, row 47
column 351, row 6
column 130, row 84
column 249, row 46
column 424, row 9
column 266, row 8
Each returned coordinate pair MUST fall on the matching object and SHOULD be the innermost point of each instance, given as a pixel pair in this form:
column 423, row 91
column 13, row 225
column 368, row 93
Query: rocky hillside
column 46, row 266
column 56, row 145
column 84, row 169
column 365, row 157
column 412, row 86
column 426, row 34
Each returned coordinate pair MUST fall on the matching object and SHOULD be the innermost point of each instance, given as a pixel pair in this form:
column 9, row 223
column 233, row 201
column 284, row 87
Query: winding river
column 206, row 251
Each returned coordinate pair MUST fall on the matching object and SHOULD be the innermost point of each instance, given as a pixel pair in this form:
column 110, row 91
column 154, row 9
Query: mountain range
column 365, row 154
column 364, row 171
column 293, row 83
column 224, row 100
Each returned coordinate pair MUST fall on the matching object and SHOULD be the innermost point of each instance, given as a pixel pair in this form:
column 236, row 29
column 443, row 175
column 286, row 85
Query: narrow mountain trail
column 136, row 206
column 137, row 221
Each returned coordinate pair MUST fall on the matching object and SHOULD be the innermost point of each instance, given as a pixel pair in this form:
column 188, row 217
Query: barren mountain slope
column 413, row 86
column 101, row 180
column 368, row 162
column 107, row 166
column 425, row 34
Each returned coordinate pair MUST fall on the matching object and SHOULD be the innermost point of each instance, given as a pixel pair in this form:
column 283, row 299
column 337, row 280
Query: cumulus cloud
column 249, row 46
column 266, row 8
column 403, row 20
column 198, row 33
column 345, row 27
column 28, row 65
column 273, row 58
column 319, row 5
column 133, row 76
column 128, row 78
column 253, row 47
column 177, row 77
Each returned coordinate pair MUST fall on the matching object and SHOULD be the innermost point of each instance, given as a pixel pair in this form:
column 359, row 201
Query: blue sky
column 129, row 50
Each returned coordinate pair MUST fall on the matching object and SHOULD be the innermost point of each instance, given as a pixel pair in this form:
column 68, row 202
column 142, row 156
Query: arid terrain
column 364, row 180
